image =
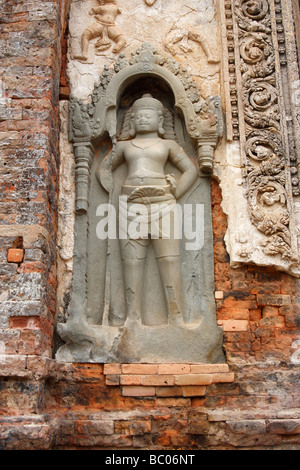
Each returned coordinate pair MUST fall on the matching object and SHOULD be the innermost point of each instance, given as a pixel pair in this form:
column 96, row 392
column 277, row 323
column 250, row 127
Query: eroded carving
column 182, row 38
column 104, row 28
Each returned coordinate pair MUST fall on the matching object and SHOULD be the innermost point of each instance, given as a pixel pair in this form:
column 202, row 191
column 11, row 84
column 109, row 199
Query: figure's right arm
column 112, row 160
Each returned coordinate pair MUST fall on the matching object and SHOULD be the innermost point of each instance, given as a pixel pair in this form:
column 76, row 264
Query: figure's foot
column 119, row 46
column 101, row 46
column 81, row 58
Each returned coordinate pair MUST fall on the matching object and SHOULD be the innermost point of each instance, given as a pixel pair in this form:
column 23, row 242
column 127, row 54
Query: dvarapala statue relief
column 153, row 195
column 143, row 283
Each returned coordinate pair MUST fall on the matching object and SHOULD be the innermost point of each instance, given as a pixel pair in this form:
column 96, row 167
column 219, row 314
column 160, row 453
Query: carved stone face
column 146, row 120
column 254, row 7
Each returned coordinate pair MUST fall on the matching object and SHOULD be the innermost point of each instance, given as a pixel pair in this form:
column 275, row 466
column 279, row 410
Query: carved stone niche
column 144, row 141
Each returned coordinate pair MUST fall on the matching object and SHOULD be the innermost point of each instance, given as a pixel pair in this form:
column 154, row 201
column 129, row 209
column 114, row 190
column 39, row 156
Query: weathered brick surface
column 30, row 68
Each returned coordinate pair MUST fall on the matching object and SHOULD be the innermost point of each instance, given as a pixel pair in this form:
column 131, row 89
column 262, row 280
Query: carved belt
column 145, row 191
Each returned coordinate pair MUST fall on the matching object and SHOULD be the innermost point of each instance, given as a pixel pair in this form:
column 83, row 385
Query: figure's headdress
column 147, row 101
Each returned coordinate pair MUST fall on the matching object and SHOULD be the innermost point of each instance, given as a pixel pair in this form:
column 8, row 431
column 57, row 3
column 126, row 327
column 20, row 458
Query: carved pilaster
column 256, row 54
column 83, row 159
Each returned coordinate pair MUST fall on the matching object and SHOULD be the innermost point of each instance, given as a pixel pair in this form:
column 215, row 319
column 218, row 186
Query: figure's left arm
column 185, row 165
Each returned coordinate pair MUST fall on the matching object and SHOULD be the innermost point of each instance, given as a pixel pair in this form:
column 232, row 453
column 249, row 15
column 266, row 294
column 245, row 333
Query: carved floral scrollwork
column 263, row 146
column 268, row 206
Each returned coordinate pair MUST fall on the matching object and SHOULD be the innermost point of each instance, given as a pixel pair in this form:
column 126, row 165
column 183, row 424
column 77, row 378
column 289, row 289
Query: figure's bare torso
column 146, row 165
column 107, row 13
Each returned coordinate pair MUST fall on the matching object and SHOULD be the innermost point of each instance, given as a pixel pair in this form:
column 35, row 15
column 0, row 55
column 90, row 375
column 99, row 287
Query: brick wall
column 30, row 67
column 45, row 405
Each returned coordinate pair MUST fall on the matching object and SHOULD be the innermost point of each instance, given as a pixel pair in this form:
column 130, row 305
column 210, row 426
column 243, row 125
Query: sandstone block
column 159, row 380
column 132, row 428
column 193, row 379
column 174, row 391
column 193, row 391
column 138, row 391
column 219, row 295
column 249, row 426
column 139, row 369
column 284, row 426
column 208, row 368
column 223, row 378
column 130, row 379
column 174, row 369
column 273, row 299
column 94, row 427
column 112, row 380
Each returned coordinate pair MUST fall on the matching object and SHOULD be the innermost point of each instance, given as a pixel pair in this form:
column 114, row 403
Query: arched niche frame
column 90, row 336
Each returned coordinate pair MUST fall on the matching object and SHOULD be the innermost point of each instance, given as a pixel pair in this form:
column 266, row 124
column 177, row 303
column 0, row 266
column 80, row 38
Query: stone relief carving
column 104, row 28
column 124, row 305
column 147, row 186
column 260, row 125
column 182, row 38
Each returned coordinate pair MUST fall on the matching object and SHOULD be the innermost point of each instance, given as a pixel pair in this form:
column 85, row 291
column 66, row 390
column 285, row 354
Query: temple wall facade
column 247, row 53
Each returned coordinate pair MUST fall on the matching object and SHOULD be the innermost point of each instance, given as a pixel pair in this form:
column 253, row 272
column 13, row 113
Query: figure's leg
column 90, row 33
column 168, row 259
column 133, row 258
column 170, row 42
column 118, row 38
column 198, row 37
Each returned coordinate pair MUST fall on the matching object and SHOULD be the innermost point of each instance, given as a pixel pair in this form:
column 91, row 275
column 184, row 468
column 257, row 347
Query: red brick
column 255, row 314
column 32, row 267
column 15, row 255
column 233, row 313
column 269, row 311
column 233, row 325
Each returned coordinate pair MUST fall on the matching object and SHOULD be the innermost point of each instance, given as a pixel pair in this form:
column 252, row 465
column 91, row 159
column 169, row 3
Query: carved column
column 257, row 110
column 84, row 153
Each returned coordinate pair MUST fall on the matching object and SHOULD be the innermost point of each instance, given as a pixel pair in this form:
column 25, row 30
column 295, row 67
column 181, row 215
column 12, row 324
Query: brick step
column 166, row 380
